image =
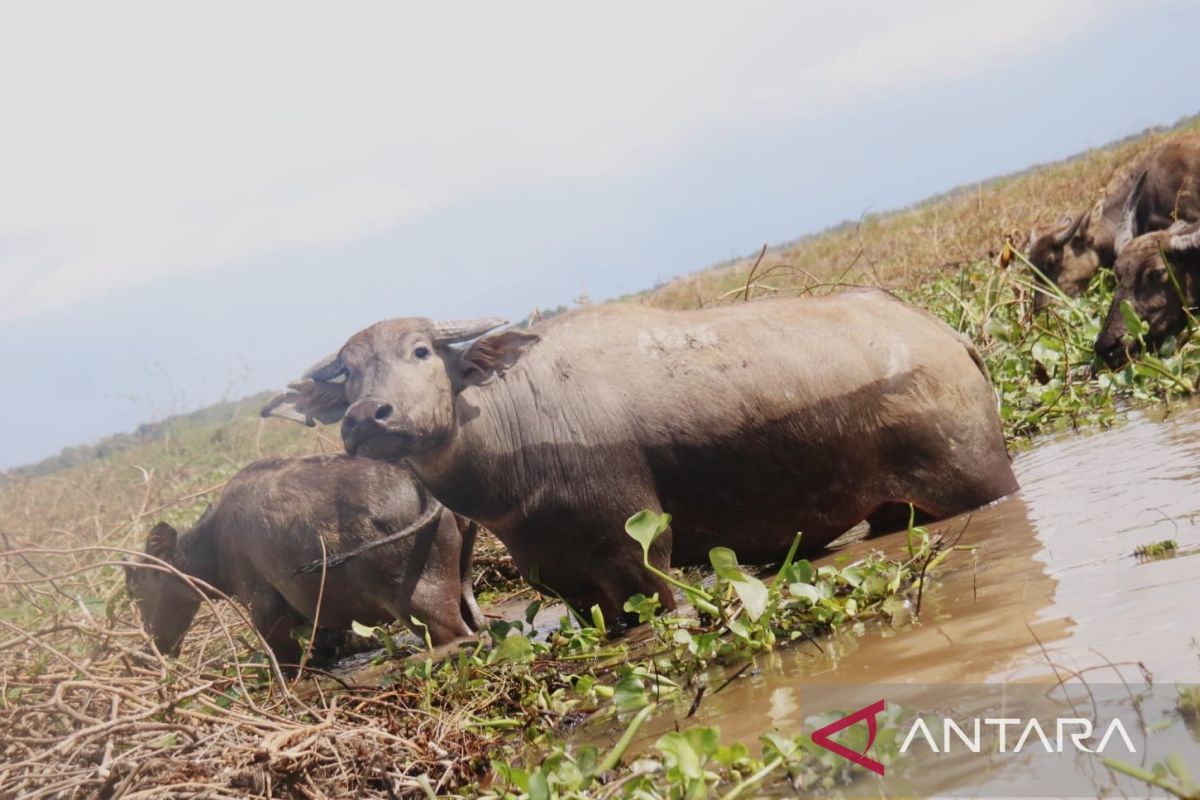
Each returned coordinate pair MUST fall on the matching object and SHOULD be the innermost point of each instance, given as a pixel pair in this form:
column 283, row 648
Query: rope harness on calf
column 339, row 559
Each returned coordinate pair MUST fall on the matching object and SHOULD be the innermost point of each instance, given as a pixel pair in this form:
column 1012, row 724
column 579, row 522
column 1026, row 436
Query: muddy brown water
column 1054, row 563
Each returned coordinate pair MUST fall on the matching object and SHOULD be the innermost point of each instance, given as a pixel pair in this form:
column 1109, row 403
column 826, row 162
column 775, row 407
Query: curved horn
column 462, row 330
column 1068, row 233
column 1128, row 227
column 1187, row 239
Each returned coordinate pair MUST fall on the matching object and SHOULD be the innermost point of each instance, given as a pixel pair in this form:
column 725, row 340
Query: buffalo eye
column 421, row 352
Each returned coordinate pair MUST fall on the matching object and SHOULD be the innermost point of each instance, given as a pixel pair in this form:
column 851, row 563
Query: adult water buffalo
column 1070, row 255
column 748, row 423
column 1159, row 274
column 271, row 520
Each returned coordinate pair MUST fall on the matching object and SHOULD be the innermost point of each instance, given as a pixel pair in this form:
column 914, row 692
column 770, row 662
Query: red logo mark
column 821, row 736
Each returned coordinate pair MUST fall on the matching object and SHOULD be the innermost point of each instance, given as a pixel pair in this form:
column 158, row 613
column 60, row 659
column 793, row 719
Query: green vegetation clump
column 1044, row 368
column 1166, row 547
column 578, row 673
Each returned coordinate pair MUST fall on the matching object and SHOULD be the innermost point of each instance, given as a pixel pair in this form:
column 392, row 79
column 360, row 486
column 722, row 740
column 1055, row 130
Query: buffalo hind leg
column 892, row 517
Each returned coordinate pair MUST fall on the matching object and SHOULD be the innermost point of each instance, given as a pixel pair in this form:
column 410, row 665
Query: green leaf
column 539, row 786
column 365, row 631
column 724, row 561
column 704, row 740
column 515, row 647
column 630, row 693
column 587, row 759
column 800, row 572
column 754, row 595
column 750, row 590
column 1133, row 323
column 598, row 620
column 512, row 775
column 646, row 526
column 739, row 628
column 644, row 607
column 805, row 591
column 728, row 755
column 852, row 576
column 418, row 625
column 778, row 745
column 679, row 756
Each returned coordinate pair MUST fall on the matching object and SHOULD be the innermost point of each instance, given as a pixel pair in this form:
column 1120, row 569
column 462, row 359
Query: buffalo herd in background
column 1147, row 229
column 746, row 423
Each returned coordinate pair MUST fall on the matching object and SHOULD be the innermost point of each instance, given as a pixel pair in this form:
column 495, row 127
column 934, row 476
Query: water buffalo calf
column 748, row 423
column 270, row 521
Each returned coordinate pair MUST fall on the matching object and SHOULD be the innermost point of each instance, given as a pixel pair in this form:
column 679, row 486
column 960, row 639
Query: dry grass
column 901, row 249
column 88, row 709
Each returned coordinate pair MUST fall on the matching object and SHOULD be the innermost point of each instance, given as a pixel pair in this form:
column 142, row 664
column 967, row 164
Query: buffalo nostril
column 383, row 412
column 349, row 422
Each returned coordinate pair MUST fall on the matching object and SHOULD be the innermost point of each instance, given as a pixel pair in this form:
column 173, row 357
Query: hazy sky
column 197, row 202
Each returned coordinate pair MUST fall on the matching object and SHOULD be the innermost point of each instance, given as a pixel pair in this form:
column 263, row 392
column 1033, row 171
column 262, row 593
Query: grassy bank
column 84, row 711
column 904, row 249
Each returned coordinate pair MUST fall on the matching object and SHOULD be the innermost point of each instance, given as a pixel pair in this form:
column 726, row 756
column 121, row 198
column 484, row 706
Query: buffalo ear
column 309, row 402
column 1083, row 224
column 319, row 394
column 160, row 542
column 1127, row 230
column 494, row 354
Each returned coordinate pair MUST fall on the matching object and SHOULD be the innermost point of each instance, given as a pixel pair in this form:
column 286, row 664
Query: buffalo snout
column 1114, row 350
column 365, row 420
column 366, row 411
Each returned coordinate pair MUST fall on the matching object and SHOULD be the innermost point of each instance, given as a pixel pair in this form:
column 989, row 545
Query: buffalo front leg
column 630, row 578
column 606, row 589
column 622, row 574
column 275, row 620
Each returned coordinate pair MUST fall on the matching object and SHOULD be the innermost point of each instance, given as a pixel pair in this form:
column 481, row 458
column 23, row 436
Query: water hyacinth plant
column 734, row 616
column 1044, row 367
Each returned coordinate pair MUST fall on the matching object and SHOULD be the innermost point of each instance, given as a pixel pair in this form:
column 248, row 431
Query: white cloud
column 143, row 140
